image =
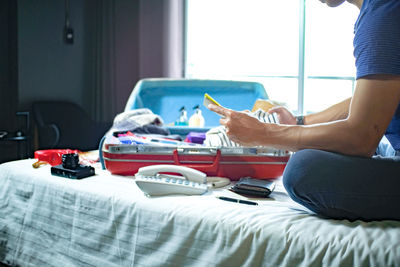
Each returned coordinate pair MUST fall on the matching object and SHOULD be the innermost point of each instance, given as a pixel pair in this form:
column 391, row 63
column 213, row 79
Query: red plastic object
column 53, row 156
column 223, row 165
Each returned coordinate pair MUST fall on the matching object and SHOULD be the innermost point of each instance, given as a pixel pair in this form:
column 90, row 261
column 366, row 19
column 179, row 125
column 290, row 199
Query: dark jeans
column 345, row 187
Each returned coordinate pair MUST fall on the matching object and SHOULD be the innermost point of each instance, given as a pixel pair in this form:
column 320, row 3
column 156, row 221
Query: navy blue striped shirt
column 377, row 48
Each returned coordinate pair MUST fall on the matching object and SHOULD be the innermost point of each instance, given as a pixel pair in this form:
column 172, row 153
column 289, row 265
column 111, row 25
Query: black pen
column 238, row 200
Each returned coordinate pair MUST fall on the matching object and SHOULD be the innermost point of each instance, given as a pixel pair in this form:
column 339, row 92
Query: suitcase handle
column 210, row 169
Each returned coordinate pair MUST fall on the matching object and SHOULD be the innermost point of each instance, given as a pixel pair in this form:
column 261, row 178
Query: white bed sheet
column 105, row 220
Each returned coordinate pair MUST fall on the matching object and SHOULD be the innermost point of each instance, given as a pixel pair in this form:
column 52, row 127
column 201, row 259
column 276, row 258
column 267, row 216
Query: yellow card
column 209, row 100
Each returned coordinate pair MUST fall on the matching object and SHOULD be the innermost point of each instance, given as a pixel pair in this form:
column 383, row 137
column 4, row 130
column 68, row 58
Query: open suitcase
column 166, row 96
column 232, row 162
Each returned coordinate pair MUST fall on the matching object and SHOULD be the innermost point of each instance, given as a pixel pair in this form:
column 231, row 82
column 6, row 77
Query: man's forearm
column 338, row 136
column 338, row 111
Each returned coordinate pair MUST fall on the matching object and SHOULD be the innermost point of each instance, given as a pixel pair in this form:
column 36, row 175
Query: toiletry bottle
column 182, row 121
column 196, row 120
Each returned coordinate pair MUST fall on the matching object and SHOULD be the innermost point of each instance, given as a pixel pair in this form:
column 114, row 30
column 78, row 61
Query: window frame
column 301, row 77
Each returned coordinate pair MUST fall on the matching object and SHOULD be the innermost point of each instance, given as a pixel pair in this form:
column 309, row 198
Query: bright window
column 301, row 52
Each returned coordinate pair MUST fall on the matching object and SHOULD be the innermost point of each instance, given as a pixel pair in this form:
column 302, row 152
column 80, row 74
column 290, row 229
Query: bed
column 105, row 220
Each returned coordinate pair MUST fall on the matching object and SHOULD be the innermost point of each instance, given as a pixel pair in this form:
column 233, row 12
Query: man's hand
column 284, row 115
column 241, row 127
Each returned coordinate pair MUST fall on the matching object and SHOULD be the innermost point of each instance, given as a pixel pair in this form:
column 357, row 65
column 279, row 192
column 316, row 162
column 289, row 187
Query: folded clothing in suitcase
column 230, row 162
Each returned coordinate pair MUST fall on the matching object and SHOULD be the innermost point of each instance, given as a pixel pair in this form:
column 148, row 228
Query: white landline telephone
column 153, row 182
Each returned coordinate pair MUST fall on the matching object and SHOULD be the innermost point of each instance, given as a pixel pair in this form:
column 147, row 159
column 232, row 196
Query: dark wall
column 8, row 64
column 49, row 68
column 8, row 77
column 37, row 64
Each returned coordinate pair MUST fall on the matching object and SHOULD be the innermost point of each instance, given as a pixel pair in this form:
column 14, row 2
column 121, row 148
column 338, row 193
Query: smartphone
column 209, row 100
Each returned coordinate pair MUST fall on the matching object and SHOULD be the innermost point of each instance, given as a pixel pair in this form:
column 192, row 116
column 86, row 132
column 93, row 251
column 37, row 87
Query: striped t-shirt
column 377, row 48
column 217, row 137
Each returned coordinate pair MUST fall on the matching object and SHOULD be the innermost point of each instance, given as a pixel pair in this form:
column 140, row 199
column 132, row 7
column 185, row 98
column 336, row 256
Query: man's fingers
column 275, row 109
column 218, row 109
column 223, row 121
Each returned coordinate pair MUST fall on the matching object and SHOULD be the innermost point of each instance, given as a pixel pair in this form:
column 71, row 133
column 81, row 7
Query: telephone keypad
column 157, row 185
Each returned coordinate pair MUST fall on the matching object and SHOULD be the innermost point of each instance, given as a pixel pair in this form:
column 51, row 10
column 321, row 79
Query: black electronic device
column 70, row 168
column 254, row 187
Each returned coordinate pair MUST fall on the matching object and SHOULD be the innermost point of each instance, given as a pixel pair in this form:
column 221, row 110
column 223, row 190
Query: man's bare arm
column 371, row 110
column 338, row 111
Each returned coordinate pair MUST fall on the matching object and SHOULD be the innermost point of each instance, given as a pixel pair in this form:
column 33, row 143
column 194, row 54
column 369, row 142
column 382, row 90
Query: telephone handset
column 153, row 182
column 186, row 172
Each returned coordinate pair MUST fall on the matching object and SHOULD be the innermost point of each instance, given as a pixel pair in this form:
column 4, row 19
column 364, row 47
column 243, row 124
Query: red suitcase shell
column 231, row 162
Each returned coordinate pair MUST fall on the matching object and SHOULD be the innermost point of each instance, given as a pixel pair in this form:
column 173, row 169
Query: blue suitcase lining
column 166, row 96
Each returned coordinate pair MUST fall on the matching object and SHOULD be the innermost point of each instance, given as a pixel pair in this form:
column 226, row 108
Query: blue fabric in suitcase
column 166, row 96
